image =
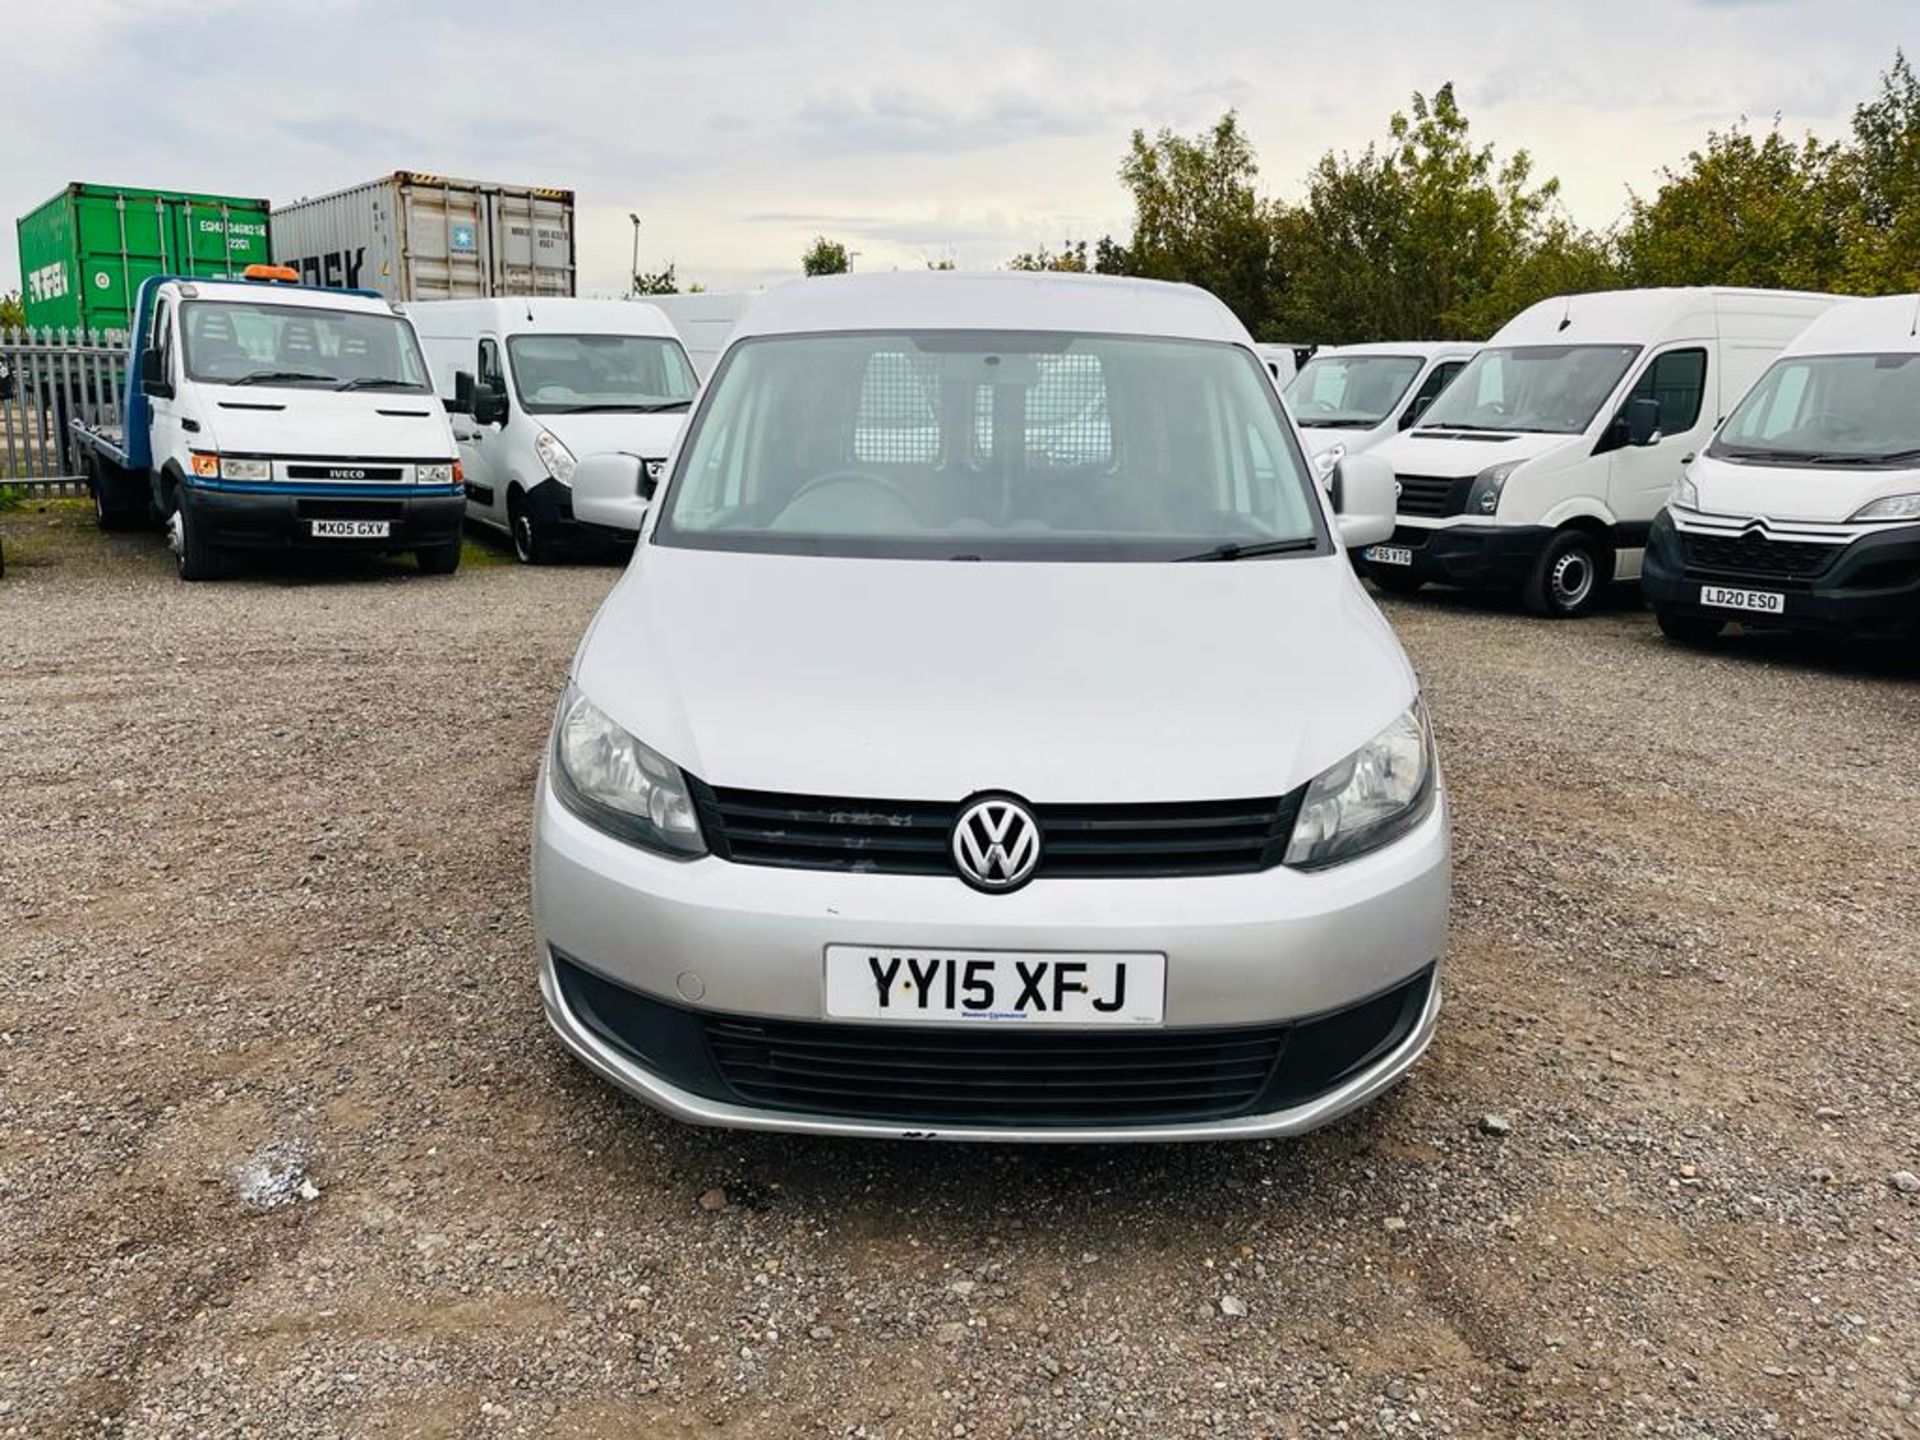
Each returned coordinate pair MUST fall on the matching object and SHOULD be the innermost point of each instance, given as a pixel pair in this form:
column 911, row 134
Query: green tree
column 826, row 257
column 1883, row 172
column 13, row 315
column 1197, row 217
column 1745, row 210
column 1429, row 236
column 660, row 282
column 1071, row 257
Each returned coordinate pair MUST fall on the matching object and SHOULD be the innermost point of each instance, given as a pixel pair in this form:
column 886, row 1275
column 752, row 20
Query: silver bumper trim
column 621, row 1070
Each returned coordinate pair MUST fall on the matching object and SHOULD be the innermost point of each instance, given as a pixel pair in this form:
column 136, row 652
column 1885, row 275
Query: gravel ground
column 286, row 1149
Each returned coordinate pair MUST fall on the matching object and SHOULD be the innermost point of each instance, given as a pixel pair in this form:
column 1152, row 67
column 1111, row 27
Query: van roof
column 1886, row 323
column 1425, row 349
column 992, row 300
column 521, row 314
column 1647, row 317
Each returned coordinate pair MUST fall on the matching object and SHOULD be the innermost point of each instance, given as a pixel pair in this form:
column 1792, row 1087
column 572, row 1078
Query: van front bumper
column 655, row 972
column 266, row 517
column 1870, row 586
column 1477, row 557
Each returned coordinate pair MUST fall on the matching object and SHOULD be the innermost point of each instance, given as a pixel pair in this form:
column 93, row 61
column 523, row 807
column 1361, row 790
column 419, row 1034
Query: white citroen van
column 1543, row 464
column 991, row 740
column 535, row 385
column 1804, row 512
column 1348, row 398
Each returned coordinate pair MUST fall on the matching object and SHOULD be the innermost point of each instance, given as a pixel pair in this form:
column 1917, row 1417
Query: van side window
column 1678, row 380
column 1437, row 380
column 162, row 337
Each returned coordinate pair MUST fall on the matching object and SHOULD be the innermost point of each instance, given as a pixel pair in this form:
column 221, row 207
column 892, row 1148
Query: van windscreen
column 1829, row 410
column 989, row 445
column 1552, row 389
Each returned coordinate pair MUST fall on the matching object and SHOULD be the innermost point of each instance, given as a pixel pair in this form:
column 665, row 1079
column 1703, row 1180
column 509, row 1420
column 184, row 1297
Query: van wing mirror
column 1415, row 410
column 487, row 403
column 611, row 489
column 1643, row 421
column 462, row 402
column 1365, row 496
column 153, row 374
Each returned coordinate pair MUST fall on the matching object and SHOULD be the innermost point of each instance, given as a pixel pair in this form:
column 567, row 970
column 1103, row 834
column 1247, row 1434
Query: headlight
column 1370, row 799
column 1329, row 458
column 556, row 457
column 232, row 469
column 616, row 784
column 436, row 474
column 1890, row 507
column 1484, row 497
column 1686, row 495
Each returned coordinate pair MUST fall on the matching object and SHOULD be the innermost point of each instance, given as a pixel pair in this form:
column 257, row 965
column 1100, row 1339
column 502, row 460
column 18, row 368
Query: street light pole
column 633, row 270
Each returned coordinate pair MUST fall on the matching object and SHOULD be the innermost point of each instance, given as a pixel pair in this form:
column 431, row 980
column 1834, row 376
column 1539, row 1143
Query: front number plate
column 1767, row 602
column 351, row 529
column 1388, row 554
column 994, row 987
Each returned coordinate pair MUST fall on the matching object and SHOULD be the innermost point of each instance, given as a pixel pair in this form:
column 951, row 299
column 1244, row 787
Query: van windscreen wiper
column 625, row 406
column 1236, row 550
column 269, row 377
column 376, row 382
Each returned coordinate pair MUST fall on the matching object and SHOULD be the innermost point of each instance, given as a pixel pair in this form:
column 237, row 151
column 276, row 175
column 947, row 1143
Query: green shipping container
column 84, row 253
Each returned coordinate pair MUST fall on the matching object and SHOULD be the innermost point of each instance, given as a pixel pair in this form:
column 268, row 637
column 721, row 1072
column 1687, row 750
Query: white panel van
column 1543, row 464
column 1348, row 398
column 534, row 386
column 1804, row 512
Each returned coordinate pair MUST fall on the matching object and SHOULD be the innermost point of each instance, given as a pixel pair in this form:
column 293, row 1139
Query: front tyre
column 199, row 559
column 1687, row 627
column 1566, row 580
column 441, row 559
column 532, row 545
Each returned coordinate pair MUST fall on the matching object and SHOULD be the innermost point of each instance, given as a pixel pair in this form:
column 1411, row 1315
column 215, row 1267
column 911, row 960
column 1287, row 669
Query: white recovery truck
column 261, row 414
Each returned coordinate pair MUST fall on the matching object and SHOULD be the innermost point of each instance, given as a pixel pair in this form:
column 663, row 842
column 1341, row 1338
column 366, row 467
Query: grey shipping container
column 413, row 236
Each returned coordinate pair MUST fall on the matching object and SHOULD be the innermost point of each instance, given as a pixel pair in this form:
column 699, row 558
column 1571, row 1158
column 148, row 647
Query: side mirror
column 462, row 403
column 1414, row 411
column 611, row 489
column 1365, row 496
column 153, row 374
column 1643, row 421
column 487, row 404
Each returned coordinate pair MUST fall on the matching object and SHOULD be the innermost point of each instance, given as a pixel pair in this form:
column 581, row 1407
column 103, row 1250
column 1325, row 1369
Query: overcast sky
column 738, row 129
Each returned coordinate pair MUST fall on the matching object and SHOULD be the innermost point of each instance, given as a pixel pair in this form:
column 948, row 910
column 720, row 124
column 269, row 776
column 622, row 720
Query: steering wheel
column 854, row 477
column 1832, row 422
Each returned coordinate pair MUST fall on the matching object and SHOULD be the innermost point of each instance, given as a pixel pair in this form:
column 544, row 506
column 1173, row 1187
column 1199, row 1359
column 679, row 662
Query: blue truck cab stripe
column 299, row 488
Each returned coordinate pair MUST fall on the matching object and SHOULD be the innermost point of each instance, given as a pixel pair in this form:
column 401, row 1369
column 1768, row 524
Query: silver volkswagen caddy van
column 990, row 739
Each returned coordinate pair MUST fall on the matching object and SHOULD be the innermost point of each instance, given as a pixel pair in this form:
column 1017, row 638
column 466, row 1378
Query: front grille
column 1432, row 495
column 1755, row 554
column 348, row 473
column 1028, row 1077
column 911, row 837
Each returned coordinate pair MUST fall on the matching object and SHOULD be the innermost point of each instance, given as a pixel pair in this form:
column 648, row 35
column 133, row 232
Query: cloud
column 739, row 131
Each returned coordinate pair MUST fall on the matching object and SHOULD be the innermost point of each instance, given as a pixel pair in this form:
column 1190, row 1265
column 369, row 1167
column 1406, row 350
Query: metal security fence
column 49, row 378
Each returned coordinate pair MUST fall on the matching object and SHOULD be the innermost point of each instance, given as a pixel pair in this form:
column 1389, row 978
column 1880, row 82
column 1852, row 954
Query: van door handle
column 1687, row 459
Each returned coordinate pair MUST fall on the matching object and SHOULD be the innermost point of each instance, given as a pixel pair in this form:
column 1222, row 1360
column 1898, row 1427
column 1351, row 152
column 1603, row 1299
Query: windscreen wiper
column 375, row 382
column 1235, row 550
column 265, row 377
